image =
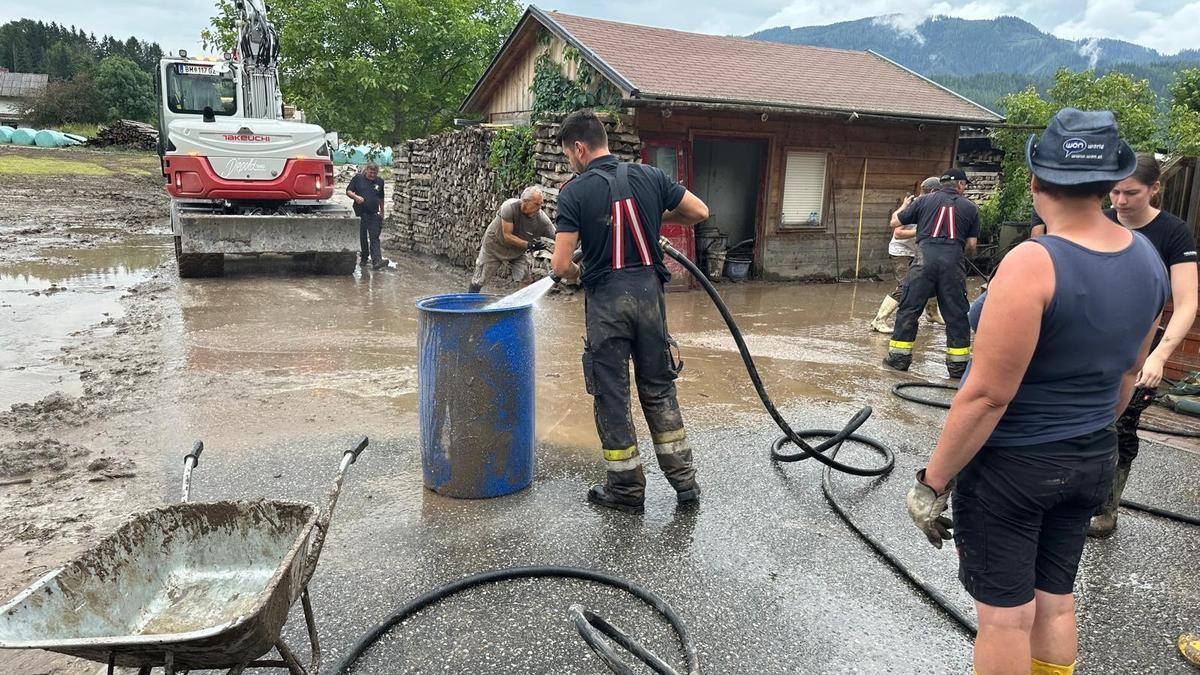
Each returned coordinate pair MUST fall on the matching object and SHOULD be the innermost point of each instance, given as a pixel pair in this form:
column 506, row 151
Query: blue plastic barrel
column 475, row 377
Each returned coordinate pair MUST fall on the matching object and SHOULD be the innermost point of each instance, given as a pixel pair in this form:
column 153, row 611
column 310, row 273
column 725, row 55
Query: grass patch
column 49, row 165
column 88, row 129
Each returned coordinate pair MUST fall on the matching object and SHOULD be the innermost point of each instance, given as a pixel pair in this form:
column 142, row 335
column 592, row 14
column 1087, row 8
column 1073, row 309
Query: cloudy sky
column 1166, row 25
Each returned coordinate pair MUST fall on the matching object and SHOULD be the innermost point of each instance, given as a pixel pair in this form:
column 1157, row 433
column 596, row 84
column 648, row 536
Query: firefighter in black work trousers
column 947, row 228
column 614, row 210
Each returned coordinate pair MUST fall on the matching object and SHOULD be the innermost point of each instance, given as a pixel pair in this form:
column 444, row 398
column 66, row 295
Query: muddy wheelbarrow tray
column 195, row 585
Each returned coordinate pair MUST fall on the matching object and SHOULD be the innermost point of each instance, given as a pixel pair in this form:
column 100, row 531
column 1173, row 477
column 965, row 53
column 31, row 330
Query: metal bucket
column 714, row 264
column 475, row 380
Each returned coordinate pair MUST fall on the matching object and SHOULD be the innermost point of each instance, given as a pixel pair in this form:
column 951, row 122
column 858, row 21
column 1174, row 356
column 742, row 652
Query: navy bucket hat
column 1080, row 146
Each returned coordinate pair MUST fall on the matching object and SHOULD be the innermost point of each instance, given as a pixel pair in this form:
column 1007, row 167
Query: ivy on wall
column 555, row 92
column 512, row 158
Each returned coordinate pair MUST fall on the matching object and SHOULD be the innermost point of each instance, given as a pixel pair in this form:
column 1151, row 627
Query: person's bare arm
column 1129, row 379
column 354, row 195
column 1037, row 231
column 895, row 219
column 904, row 232
column 564, row 250
column 506, row 227
column 1004, row 344
column 689, row 212
column 970, row 246
column 1183, row 300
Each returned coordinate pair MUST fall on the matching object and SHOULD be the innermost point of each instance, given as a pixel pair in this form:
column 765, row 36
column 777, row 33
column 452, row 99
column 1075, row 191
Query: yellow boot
column 1189, row 646
column 1043, row 668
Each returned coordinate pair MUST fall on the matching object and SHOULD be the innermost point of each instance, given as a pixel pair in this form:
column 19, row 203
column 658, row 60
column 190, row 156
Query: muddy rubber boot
column 1189, row 647
column 897, row 361
column 956, row 369
column 887, row 309
column 624, row 491
column 674, row 455
column 933, row 314
column 1104, row 523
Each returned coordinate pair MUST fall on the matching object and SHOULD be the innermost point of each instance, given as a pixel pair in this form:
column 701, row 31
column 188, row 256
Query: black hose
column 964, row 619
column 899, row 390
column 830, row 447
column 806, row 449
column 541, row 572
column 1154, row 428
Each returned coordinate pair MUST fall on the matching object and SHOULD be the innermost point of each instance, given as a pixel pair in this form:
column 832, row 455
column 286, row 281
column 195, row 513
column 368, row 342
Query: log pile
column 445, row 192
column 127, row 133
column 982, row 186
column 552, row 167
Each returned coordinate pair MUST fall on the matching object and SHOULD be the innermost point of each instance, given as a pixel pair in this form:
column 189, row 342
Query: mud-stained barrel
column 475, row 380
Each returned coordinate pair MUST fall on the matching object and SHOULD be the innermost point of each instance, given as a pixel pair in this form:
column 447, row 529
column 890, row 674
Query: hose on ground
column 900, row 389
column 826, row 452
column 589, row 625
column 819, row 452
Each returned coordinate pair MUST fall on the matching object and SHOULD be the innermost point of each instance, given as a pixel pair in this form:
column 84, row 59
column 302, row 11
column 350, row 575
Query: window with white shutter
column 803, row 189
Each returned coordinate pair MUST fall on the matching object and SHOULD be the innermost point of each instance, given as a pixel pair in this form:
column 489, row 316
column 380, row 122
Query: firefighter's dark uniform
column 945, row 220
column 617, row 210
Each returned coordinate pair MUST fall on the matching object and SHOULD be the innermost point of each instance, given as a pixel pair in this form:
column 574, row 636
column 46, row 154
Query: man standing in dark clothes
column 615, row 211
column 947, row 228
column 366, row 189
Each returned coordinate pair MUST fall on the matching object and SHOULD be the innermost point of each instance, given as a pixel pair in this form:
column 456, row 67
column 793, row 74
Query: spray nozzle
column 575, row 259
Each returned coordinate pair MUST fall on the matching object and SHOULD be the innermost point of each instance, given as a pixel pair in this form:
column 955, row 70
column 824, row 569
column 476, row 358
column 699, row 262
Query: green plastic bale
column 23, row 136
column 49, row 138
column 6, row 134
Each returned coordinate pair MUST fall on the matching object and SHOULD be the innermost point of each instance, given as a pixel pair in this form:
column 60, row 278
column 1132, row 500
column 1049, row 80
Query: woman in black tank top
column 1027, row 455
column 1133, row 200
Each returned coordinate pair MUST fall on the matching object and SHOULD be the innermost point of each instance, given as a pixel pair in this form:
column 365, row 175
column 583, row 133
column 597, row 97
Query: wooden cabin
column 805, row 151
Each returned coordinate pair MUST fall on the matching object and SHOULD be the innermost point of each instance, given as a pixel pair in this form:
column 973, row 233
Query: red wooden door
column 670, row 156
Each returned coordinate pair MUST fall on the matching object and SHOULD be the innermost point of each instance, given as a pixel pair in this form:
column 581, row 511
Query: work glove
column 925, row 507
column 536, row 244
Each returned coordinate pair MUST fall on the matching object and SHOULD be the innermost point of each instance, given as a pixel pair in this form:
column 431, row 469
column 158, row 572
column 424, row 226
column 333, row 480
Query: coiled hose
column 826, row 451
column 900, row 389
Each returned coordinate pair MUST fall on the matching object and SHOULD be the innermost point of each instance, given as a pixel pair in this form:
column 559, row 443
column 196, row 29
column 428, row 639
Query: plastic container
column 23, row 136
column 737, row 268
column 714, row 264
column 475, row 392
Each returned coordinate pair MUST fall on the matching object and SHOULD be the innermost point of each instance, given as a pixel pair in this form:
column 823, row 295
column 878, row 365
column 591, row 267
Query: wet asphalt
column 767, row 577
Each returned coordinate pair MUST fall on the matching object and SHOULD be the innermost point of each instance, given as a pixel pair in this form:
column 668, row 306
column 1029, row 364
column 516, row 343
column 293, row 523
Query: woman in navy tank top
column 1028, row 451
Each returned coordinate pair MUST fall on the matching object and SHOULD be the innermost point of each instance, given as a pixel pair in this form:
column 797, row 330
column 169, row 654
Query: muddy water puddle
column 46, row 302
column 286, row 333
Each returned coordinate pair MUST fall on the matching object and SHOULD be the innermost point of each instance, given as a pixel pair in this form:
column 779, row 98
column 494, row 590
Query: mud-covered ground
column 112, row 367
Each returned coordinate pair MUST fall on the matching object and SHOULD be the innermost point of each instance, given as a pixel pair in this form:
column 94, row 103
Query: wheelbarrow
column 190, row 586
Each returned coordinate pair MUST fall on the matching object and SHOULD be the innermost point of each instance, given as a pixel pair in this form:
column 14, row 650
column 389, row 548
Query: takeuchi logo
column 248, row 138
column 1074, row 146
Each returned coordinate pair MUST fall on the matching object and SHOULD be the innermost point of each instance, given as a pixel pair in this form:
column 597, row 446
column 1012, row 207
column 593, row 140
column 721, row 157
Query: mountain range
column 950, row 46
column 985, row 59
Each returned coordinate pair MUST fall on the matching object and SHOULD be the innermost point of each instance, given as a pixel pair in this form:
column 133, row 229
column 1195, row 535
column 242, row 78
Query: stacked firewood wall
column 445, row 192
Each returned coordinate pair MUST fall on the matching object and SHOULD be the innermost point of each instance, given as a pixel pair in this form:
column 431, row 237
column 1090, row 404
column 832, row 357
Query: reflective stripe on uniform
column 620, row 454
column 958, row 351
column 672, row 448
column 624, row 464
column 668, row 436
column 900, row 346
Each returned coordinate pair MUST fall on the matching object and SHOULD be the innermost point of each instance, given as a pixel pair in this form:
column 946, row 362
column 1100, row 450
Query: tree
column 1183, row 119
column 386, row 70
column 58, row 103
column 124, row 89
column 1133, row 103
column 59, row 62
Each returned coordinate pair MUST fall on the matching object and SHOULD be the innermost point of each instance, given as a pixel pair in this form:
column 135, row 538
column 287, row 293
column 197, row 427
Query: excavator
column 243, row 178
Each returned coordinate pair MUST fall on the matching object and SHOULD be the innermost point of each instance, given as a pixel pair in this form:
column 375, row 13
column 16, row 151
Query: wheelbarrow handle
column 190, row 461
column 194, row 455
column 354, row 453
